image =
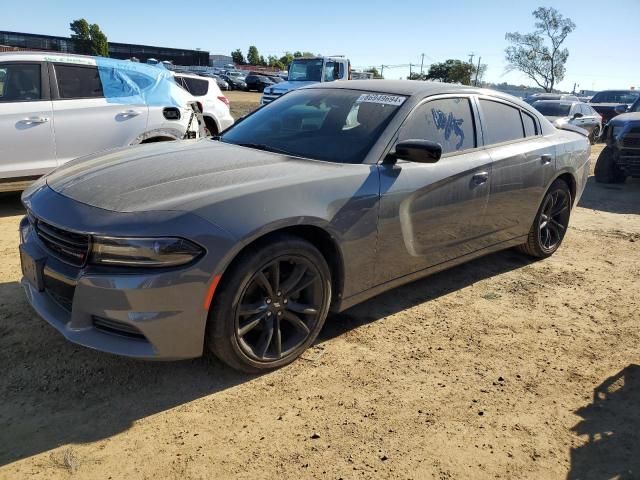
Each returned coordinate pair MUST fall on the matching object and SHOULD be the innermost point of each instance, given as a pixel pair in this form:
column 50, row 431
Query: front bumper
column 142, row 313
column 627, row 148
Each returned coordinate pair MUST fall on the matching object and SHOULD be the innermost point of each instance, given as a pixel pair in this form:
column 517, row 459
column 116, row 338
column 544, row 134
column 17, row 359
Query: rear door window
column 501, row 122
column 20, row 82
column 78, row 81
column 447, row 121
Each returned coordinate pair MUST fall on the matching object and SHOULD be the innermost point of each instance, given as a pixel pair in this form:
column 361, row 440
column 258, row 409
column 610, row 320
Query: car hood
column 633, row 117
column 284, row 87
column 177, row 175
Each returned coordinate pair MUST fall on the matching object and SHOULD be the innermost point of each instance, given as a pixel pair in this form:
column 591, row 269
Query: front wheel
column 271, row 306
column 551, row 222
column 606, row 170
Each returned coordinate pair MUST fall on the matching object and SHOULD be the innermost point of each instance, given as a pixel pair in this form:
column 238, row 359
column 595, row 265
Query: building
column 123, row 51
column 220, row 61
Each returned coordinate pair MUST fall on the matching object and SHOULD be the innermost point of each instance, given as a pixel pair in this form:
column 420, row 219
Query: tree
column 451, row 71
column 238, row 57
column 286, row 59
column 274, row 62
column 253, row 57
column 530, row 54
column 263, row 62
column 89, row 39
column 376, row 73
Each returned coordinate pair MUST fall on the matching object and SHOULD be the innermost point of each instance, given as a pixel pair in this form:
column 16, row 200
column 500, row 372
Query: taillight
column 224, row 99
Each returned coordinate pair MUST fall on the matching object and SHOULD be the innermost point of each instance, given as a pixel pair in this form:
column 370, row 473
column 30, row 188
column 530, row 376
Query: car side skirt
column 349, row 302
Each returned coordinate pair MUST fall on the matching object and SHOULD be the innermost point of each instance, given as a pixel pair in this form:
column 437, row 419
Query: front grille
column 69, row 246
column 629, row 161
column 269, row 98
column 115, row 327
column 631, row 142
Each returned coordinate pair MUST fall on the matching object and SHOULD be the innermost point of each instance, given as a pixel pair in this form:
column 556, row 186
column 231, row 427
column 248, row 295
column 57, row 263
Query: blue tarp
column 128, row 82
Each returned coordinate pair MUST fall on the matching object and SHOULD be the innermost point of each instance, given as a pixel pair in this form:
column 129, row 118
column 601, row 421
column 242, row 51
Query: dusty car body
column 360, row 203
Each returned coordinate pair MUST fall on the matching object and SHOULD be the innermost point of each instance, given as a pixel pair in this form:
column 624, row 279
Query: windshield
column 615, row 97
column 333, row 125
column 552, row 109
column 306, row 70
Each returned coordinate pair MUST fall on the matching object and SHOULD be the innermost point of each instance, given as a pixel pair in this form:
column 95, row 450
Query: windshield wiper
column 266, row 148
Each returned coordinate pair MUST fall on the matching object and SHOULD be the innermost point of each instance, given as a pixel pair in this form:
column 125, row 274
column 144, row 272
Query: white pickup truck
column 305, row 71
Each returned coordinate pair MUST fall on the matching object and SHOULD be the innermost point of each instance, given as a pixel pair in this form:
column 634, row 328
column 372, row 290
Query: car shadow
column 613, row 198
column 55, row 393
column 10, row 204
column 424, row 290
column 612, row 423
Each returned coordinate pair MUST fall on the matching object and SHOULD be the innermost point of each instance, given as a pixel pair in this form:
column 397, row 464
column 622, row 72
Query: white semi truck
column 308, row 70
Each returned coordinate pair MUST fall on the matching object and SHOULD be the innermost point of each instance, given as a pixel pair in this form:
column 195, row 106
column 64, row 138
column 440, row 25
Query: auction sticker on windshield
column 381, row 98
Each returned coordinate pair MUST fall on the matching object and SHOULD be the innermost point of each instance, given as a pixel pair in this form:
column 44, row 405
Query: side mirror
column 620, row 109
column 577, row 115
column 420, row 151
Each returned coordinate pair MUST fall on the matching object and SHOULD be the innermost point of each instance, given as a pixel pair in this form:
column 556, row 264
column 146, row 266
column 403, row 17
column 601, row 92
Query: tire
column 594, row 135
column 606, row 169
column 256, row 323
column 551, row 222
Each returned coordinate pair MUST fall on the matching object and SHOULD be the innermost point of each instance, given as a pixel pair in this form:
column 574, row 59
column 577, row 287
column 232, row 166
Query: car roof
column 413, row 87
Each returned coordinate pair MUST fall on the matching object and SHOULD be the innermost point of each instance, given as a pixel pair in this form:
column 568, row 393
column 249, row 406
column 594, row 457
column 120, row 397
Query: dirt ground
column 501, row 368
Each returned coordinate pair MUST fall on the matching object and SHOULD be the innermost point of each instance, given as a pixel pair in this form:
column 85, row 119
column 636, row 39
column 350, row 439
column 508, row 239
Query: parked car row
column 593, row 115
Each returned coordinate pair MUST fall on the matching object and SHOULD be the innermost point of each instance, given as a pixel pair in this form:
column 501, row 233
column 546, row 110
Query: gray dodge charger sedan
column 242, row 244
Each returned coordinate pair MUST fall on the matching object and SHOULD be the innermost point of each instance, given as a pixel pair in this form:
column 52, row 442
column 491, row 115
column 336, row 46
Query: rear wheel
column 551, row 222
column 606, row 170
column 594, row 135
column 271, row 307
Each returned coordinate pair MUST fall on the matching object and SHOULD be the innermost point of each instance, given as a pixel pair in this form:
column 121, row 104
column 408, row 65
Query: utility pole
column 471, row 55
column 477, row 71
column 422, row 65
column 381, row 70
column 410, row 73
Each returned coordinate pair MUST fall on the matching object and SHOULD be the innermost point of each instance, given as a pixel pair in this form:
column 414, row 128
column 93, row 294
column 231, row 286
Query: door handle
column 545, row 159
column 480, row 178
column 130, row 113
column 34, row 120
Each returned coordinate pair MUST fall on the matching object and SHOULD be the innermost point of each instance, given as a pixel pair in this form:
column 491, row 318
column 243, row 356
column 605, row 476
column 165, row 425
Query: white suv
column 215, row 106
column 56, row 107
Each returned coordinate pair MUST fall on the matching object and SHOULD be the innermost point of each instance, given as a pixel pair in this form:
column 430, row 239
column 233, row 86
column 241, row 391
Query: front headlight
column 143, row 252
column 617, row 130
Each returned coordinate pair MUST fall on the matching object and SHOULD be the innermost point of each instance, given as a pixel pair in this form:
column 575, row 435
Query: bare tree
column 529, row 52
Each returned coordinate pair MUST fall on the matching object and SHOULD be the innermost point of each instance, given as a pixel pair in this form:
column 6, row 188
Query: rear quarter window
column 20, row 82
column 501, row 122
column 195, row 86
column 529, row 123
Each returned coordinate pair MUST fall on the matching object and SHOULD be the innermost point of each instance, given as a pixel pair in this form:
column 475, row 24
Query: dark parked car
column 610, row 103
column 235, row 82
column 320, row 200
column 258, row 82
column 576, row 113
column 620, row 158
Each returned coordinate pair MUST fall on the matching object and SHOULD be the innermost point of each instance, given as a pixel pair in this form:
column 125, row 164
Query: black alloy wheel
column 551, row 222
column 594, row 136
column 270, row 305
column 279, row 308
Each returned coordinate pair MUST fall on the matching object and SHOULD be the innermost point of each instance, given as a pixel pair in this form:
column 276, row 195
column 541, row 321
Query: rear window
column 615, row 97
column 196, row 87
column 552, row 109
column 20, row 82
column 502, row 122
column 78, row 81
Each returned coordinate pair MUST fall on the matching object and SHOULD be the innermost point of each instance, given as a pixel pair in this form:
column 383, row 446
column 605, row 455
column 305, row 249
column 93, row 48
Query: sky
column 368, row 32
